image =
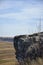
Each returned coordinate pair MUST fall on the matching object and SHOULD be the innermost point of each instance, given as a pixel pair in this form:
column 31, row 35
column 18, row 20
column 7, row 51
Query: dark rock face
column 26, row 46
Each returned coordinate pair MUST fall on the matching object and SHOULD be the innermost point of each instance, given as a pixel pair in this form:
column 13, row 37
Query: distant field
column 7, row 54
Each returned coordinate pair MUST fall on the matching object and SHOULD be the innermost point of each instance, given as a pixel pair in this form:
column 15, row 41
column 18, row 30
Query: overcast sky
column 20, row 17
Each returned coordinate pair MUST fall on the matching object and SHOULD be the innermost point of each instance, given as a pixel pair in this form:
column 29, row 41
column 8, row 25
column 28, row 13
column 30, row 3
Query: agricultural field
column 7, row 54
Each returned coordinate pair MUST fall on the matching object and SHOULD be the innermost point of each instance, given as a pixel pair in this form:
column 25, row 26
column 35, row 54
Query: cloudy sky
column 20, row 17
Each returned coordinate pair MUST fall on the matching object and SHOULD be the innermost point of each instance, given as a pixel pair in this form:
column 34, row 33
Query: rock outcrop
column 28, row 46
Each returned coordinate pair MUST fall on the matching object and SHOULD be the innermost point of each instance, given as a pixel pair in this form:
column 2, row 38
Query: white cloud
column 25, row 14
column 14, row 29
